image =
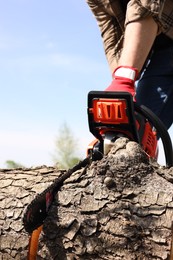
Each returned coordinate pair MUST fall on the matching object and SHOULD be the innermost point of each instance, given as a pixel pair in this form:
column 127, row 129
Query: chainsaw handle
column 161, row 130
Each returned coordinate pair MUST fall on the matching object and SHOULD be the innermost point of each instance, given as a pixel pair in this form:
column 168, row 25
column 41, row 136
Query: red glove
column 124, row 80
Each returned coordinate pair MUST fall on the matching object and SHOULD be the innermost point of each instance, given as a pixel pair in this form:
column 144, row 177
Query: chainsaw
column 111, row 115
column 114, row 114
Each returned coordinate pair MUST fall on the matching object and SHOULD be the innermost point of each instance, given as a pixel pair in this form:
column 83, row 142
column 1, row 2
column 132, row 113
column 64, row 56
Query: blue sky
column 51, row 56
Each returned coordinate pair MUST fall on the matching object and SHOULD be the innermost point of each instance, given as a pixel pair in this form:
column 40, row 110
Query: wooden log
column 121, row 207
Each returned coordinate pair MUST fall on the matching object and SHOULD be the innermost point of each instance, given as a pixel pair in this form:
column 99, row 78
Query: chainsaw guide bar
column 37, row 211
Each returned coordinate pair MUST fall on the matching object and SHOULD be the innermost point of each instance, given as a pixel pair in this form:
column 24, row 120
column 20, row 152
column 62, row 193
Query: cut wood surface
column 120, row 207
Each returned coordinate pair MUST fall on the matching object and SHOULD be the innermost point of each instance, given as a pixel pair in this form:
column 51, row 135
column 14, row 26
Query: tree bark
column 120, row 207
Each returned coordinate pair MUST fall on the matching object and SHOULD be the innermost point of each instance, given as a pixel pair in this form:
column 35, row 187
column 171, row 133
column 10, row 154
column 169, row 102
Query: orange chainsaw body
column 114, row 113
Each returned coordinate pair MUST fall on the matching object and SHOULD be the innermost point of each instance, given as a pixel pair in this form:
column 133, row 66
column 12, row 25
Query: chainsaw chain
column 37, row 210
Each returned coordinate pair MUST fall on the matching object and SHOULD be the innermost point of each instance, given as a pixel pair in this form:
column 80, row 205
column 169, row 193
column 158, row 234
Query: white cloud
column 77, row 62
column 64, row 61
column 25, row 147
column 50, row 45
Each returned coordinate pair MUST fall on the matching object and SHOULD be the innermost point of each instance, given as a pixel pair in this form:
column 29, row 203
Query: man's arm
column 126, row 57
column 139, row 38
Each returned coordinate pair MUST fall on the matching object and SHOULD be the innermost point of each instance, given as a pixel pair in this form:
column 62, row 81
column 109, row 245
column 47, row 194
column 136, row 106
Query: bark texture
column 121, row 207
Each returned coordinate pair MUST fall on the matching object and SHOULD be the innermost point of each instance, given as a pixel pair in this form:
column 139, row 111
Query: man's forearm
column 139, row 38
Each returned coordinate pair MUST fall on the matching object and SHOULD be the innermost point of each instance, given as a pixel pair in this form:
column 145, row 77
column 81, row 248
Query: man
column 138, row 43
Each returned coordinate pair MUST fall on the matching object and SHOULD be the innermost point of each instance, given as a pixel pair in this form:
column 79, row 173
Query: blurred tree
column 13, row 165
column 66, row 147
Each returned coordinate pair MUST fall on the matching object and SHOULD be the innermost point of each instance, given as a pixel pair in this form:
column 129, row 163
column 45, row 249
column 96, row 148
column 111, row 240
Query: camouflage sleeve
column 110, row 20
column 138, row 9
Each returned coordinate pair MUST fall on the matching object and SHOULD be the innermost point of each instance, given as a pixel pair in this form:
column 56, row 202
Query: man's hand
column 124, row 80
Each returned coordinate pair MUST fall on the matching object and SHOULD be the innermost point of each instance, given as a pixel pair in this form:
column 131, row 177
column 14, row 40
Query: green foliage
column 66, row 148
column 13, row 165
